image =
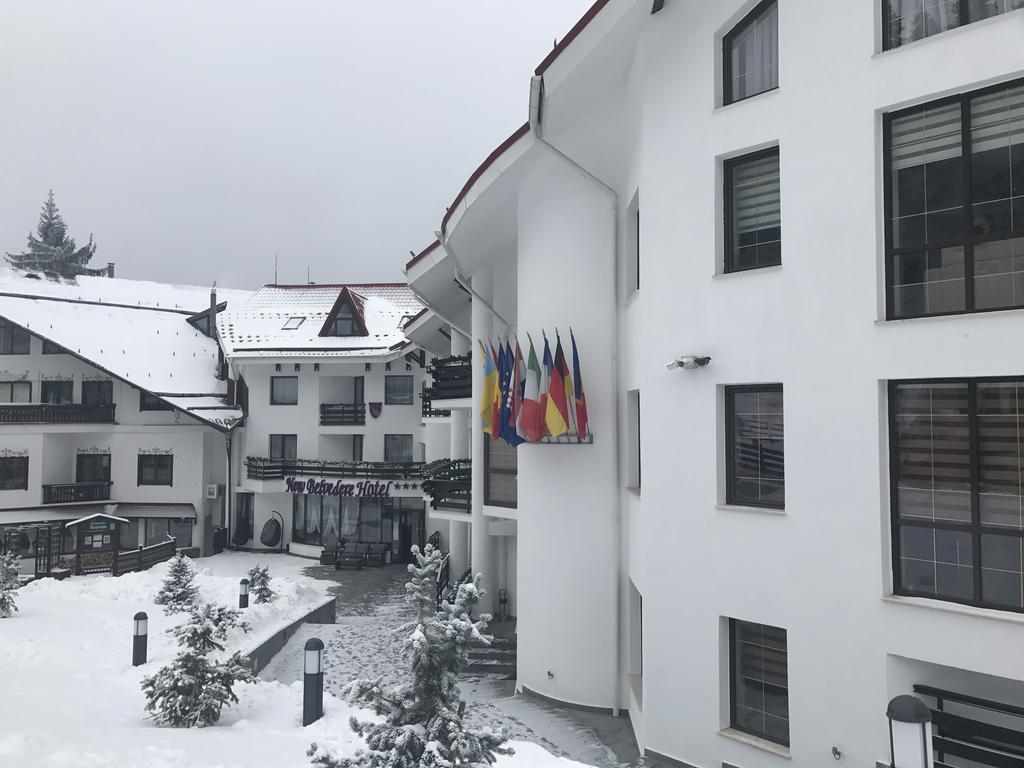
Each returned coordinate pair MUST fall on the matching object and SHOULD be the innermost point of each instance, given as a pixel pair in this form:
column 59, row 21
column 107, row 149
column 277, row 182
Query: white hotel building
column 754, row 556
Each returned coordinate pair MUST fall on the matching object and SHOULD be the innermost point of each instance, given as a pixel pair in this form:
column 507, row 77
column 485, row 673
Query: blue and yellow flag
column 489, row 393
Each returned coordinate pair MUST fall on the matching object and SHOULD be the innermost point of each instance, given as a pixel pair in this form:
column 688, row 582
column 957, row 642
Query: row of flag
column 528, row 400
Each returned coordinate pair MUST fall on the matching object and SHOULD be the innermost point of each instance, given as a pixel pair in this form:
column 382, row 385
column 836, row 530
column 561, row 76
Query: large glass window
column 753, row 211
column 97, row 393
column 15, row 392
column 751, row 54
column 13, row 473
column 344, row 323
column 283, row 446
column 398, row 448
column 56, row 392
column 156, row 469
column 759, row 680
column 92, row 468
column 955, row 205
column 957, row 490
column 909, row 20
column 755, row 446
column 159, row 528
column 398, row 390
column 148, row 402
column 13, row 340
column 501, row 468
column 284, row 390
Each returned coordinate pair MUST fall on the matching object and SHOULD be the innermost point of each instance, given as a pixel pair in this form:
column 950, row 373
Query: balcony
column 448, row 483
column 68, row 493
column 45, row 413
column 427, row 406
column 342, row 414
column 261, row 468
column 452, row 378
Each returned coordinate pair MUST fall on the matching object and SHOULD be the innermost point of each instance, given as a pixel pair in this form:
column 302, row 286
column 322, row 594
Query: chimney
column 110, row 269
column 213, row 310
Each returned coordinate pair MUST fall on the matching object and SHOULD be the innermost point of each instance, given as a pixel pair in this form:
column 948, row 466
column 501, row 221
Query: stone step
column 491, row 667
column 492, row 653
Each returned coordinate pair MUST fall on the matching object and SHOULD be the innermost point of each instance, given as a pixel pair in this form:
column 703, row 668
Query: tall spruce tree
column 51, row 249
column 9, row 583
column 178, row 593
column 424, row 721
column 259, row 584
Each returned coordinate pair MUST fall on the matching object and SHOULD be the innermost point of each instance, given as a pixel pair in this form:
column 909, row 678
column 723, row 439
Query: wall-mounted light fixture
column 688, row 362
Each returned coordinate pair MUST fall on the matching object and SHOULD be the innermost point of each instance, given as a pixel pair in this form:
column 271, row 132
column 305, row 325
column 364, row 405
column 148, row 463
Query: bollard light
column 140, row 638
column 243, row 593
column 313, row 681
column 910, row 733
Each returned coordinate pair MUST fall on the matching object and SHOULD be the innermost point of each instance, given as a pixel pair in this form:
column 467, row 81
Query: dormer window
column 344, row 324
column 293, row 323
column 346, row 316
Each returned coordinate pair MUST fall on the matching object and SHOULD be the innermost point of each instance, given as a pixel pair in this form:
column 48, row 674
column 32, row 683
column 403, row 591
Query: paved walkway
column 371, row 604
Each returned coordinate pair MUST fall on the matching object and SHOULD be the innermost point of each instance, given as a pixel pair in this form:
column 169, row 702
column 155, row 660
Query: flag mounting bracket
column 569, row 438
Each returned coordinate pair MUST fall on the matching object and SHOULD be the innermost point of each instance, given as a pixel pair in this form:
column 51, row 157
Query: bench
column 351, row 556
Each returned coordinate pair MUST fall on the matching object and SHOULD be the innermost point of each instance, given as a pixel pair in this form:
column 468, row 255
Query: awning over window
column 157, row 510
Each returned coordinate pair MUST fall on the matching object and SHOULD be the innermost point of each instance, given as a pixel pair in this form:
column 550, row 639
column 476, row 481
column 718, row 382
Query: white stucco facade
column 545, row 234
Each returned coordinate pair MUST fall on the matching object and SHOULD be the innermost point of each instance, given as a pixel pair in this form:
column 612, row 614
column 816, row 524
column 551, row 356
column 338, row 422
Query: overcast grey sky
column 194, row 139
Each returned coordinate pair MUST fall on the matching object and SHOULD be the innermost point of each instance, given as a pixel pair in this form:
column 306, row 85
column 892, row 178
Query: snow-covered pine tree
column 9, row 566
column 192, row 690
column 178, row 592
column 424, row 721
column 50, row 248
column 259, row 584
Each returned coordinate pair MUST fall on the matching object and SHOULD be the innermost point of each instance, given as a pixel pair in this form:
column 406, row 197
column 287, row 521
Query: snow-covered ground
column 69, row 697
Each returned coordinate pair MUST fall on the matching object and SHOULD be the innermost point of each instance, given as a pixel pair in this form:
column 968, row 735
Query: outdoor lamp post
column 243, row 593
column 313, row 681
column 140, row 638
column 910, row 733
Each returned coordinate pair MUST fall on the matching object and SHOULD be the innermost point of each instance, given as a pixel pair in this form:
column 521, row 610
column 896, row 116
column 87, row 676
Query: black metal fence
column 452, row 377
column 427, row 408
column 260, row 468
column 342, row 414
column 449, row 483
column 981, row 731
column 45, row 413
column 65, row 493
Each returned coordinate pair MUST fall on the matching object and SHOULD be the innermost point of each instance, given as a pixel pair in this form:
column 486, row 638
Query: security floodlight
column 688, row 362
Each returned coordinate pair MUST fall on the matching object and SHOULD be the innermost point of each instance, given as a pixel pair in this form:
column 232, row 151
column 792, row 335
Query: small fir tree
column 424, row 721
column 192, row 690
column 9, row 583
column 259, row 584
column 179, row 592
column 51, row 250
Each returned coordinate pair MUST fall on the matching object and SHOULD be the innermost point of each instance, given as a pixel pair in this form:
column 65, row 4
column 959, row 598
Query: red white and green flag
column 531, row 419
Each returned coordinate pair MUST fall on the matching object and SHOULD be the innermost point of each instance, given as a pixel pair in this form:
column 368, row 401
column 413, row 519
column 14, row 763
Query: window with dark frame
column 750, row 54
column 284, row 390
column 398, row 448
column 283, row 446
column 56, row 392
column 755, row 446
column 398, row 390
column 753, row 211
column 92, row 468
column 357, row 447
column 904, row 21
column 13, row 473
column 344, row 323
column 148, row 402
column 156, row 469
column 14, row 340
column 49, row 348
column 97, row 393
column 15, row 392
column 957, row 490
column 759, row 680
column 954, row 202
column 501, row 470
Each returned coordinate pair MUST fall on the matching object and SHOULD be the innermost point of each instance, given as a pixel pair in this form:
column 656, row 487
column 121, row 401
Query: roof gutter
column 537, row 127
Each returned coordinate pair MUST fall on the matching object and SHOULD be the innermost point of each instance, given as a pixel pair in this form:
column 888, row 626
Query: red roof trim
column 422, row 254
column 414, row 318
column 346, row 297
column 522, row 131
column 566, row 41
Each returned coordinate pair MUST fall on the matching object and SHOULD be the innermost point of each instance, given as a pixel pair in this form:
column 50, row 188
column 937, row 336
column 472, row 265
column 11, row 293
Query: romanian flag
column 581, row 398
column 556, row 413
column 489, row 393
column 531, row 419
column 570, row 390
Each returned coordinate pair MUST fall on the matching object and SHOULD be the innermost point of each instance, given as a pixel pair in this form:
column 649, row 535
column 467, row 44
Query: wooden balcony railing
column 448, row 483
column 45, row 413
column 452, row 377
column 427, row 406
column 342, row 414
column 261, row 468
column 66, row 493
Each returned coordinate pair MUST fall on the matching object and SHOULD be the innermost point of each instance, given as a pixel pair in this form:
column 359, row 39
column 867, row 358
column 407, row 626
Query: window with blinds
column 501, row 470
column 751, row 54
column 759, row 671
column 284, row 390
column 955, row 205
column 398, row 390
column 957, row 454
column 398, row 448
column 909, row 20
column 753, row 220
column 755, row 446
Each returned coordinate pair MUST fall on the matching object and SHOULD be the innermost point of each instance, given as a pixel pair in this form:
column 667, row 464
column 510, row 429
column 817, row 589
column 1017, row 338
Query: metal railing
column 262, row 468
column 66, row 493
column 970, row 731
column 342, row 414
column 46, row 413
column 452, row 377
column 449, row 484
column 427, row 409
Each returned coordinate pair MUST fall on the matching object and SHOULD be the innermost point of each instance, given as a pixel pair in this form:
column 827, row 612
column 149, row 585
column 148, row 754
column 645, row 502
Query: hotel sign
column 364, row 489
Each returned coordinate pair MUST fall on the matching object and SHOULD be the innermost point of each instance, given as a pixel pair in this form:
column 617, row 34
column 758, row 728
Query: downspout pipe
column 536, row 125
column 229, row 489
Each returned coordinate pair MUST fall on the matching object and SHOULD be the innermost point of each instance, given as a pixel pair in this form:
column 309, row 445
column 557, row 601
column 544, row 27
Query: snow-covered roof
column 135, row 331
column 288, row 320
